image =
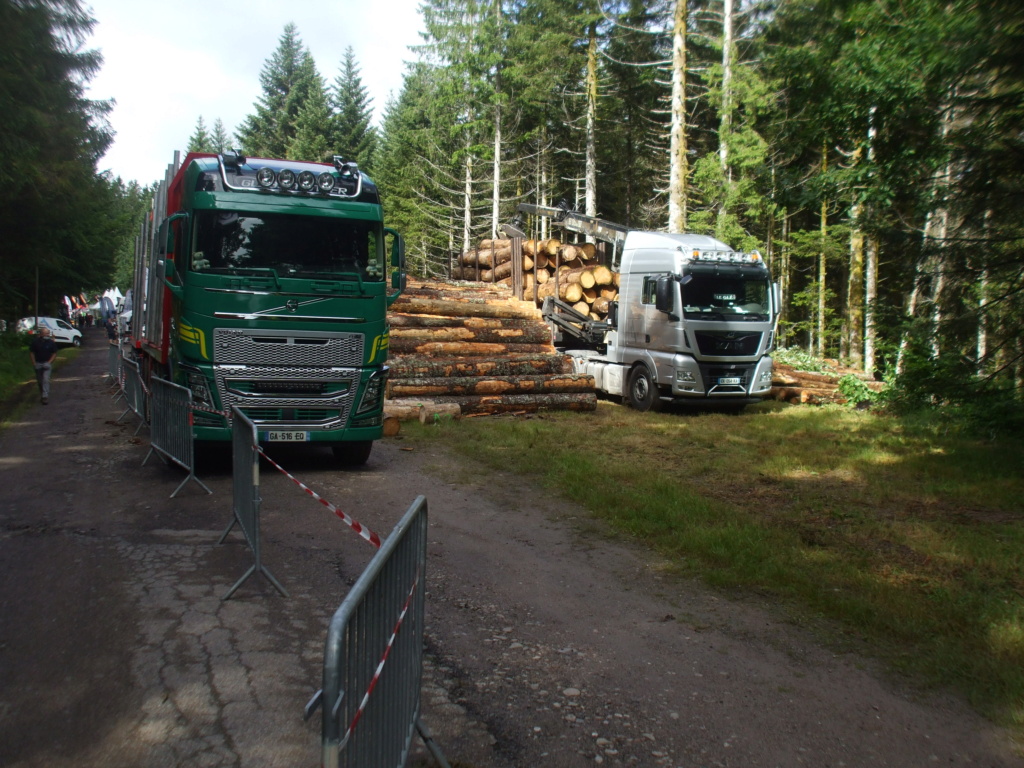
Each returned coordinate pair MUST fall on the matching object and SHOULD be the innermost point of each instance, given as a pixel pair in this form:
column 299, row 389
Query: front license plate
column 729, row 380
column 285, row 437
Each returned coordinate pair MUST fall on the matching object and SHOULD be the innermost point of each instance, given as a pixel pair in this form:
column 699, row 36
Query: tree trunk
column 490, row 385
column 465, row 348
column 678, row 161
column 535, row 333
column 418, row 306
column 410, row 367
column 492, row 404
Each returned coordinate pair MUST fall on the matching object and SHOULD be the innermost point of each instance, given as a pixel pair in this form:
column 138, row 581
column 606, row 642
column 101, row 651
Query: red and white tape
column 380, row 665
column 366, row 533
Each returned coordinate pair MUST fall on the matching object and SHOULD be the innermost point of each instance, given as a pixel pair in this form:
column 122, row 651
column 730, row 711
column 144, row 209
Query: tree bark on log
column 465, row 348
column 424, row 306
column 494, row 404
column 534, row 333
column 490, row 385
column 411, row 366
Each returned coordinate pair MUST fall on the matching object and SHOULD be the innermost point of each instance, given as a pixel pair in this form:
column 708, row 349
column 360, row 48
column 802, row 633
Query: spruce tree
column 200, row 140
column 219, row 137
column 287, row 78
column 352, row 133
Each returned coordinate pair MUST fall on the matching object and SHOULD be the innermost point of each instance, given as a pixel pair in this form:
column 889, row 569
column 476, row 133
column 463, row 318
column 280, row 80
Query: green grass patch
column 909, row 538
column 15, row 367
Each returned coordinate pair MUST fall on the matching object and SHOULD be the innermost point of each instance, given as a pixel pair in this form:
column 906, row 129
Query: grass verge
column 910, row 538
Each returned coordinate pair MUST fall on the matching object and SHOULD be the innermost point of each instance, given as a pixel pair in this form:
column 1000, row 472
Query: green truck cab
column 265, row 285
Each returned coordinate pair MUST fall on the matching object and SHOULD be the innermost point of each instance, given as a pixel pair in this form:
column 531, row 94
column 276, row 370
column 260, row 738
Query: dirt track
column 547, row 644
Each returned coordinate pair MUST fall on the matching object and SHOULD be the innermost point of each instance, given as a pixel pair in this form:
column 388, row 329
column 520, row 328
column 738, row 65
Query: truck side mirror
column 664, row 294
column 397, row 261
column 169, row 273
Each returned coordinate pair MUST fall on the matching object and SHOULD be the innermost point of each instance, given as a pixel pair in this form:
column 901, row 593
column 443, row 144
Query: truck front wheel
column 642, row 393
column 353, row 454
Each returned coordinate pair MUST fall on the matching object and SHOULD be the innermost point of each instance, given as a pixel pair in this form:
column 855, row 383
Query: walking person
column 43, row 351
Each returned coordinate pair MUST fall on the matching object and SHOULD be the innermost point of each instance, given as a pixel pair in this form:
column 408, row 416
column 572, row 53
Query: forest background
column 871, row 149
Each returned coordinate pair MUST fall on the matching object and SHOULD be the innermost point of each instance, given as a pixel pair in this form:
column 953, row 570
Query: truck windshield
column 231, row 243
column 726, row 295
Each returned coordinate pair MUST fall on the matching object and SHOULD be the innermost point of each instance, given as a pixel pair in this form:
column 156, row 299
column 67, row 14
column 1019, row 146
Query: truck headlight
column 373, row 394
column 766, row 377
column 200, row 389
column 685, row 376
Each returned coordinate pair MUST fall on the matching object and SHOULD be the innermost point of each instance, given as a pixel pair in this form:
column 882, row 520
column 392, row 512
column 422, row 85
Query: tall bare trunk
column 853, row 339
column 725, row 123
column 496, row 192
column 467, row 204
column 591, row 172
column 679, row 170
column 821, row 264
column 870, row 299
column 870, row 270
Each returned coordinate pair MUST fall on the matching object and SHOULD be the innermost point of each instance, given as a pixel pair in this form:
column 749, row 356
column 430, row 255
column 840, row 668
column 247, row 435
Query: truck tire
column 352, row 454
column 642, row 392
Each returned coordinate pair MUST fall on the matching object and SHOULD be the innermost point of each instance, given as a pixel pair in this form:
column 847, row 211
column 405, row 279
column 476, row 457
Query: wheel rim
column 640, row 388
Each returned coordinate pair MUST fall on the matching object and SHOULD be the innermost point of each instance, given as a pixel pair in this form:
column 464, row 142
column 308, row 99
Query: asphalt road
column 547, row 642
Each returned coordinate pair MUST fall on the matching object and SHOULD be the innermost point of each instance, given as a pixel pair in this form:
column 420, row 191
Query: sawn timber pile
column 479, row 348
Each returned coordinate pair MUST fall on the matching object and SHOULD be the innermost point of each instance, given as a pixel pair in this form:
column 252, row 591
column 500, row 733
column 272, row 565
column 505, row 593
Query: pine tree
column 54, row 207
column 219, row 137
column 200, row 140
column 352, row 133
column 313, row 127
column 287, row 79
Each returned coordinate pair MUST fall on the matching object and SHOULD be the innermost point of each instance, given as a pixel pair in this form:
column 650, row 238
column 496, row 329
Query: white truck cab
column 695, row 320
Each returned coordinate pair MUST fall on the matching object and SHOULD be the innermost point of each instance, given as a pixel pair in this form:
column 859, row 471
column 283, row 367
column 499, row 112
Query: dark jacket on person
column 42, row 348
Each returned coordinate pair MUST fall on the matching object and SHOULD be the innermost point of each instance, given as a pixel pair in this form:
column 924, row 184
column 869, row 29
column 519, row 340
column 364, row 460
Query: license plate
column 729, row 380
column 285, row 437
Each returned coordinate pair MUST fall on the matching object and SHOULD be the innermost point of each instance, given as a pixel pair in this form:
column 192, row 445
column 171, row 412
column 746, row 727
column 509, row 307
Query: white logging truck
column 694, row 320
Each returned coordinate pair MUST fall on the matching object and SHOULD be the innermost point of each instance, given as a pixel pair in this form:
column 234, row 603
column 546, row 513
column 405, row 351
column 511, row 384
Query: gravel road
column 548, row 644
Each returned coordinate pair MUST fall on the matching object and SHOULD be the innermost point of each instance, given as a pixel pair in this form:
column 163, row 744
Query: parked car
column 61, row 331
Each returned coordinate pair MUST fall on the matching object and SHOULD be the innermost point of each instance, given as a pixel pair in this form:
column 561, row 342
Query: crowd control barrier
column 114, row 363
column 245, row 494
column 170, row 413
column 373, row 657
column 134, row 392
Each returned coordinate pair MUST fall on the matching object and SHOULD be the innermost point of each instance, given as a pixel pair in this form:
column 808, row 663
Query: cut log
column 494, row 404
column 530, row 247
column 609, row 292
column 424, row 306
column 602, row 275
column 568, row 292
column 486, row 257
column 582, row 306
column 551, row 246
column 589, row 251
column 569, row 253
column 491, row 385
column 413, row 366
column 590, row 295
column 392, row 425
column 600, row 305
column 533, row 333
column 542, row 276
column 464, row 348
column 431, row 412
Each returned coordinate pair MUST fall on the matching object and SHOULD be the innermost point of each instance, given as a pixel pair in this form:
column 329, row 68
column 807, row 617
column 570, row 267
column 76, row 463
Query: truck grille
column 243, row 346
column 727, row 343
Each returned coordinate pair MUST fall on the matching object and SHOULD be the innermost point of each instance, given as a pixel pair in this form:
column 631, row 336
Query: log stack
column 807, row 388
column 478, row 347
column 550, row 267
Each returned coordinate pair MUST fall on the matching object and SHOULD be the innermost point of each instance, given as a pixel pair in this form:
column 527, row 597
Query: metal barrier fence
column 245, row 494
column 134, row 393
column 373, row 657
column 170, row 430
column 114, row 363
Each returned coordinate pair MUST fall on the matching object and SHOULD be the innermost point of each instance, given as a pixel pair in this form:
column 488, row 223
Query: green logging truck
column 263, row 284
